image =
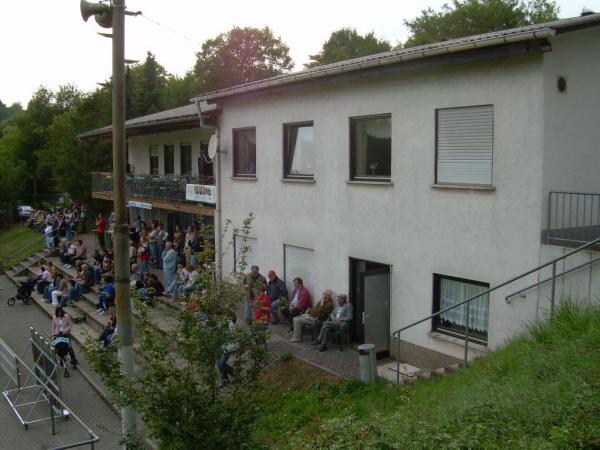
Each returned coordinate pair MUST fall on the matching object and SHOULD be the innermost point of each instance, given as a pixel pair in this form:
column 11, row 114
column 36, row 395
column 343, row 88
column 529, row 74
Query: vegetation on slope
column 541, row 391
column 18, row 242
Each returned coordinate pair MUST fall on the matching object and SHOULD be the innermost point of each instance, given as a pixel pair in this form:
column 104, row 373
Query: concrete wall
column 571, row 131
column 487, row 236
column 139, row 149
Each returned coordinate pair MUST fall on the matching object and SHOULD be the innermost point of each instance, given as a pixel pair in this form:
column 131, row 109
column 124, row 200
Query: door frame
column 355, row 291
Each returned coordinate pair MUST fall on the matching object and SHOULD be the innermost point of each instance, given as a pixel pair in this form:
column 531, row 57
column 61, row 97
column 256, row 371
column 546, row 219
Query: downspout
column 217, row 173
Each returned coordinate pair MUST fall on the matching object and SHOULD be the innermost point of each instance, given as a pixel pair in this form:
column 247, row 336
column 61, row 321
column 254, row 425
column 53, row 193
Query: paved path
column 77, row 393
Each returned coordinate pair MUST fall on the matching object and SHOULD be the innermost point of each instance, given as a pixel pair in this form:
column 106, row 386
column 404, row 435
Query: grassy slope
column 540, row 391
column 16, row 243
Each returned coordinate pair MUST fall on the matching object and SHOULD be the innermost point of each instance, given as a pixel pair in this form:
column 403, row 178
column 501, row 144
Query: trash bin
column 367, row 363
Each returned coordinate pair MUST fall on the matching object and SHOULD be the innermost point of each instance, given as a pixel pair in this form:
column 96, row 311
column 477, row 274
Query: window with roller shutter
column 298, row 263
column 464, row 145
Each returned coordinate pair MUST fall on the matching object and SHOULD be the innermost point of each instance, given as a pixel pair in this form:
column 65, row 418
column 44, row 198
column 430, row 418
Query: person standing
column 161, row 240
column 299, row 303
column 101, row 229
column 143, row 255
column 251, row 282
column 153, row 244
column 169, row 263
column 62, row 323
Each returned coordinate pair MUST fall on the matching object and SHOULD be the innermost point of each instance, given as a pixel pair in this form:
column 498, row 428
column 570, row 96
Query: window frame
column 154, row 160
column 171, row 159
column 286, row 151
column 189, row 145
column 236, row 174
column 436, row 151
column 352, row 144
column 457, row 332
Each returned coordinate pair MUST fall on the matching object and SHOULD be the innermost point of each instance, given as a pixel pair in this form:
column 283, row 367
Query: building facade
column 413, row 184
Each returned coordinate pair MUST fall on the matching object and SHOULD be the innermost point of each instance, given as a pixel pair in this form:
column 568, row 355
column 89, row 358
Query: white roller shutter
column 239, row 243
column 465, row 138
column 298, row 263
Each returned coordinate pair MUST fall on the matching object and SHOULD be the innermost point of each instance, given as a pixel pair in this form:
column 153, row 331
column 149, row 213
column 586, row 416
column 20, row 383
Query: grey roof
column 508, row 36
column 179, row 115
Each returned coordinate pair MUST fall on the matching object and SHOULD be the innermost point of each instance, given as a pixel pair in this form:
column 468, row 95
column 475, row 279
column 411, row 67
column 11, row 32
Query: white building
column 413, row 179
column 169, row 172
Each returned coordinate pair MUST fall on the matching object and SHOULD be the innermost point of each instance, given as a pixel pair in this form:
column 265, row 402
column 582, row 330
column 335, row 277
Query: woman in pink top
column 62, row 323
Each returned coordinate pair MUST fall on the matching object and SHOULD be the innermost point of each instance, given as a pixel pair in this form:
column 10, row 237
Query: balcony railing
column 170, row 188
column 573, row 217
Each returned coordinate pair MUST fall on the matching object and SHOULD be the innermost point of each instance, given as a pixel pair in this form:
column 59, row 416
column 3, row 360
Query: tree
column 146, row 86
column 6, row 112
column 467, row 17
column 347, row 44
column 240, row 56
column 179, row 394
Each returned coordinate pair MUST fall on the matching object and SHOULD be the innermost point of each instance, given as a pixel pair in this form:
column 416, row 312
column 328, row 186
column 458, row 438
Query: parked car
column 24, row 211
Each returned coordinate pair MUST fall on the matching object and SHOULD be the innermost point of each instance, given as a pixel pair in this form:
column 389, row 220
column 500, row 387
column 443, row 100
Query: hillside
column 541, row 391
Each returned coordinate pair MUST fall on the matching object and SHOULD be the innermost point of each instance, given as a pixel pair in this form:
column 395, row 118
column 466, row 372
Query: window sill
column 371, row 182
column 464, row 187
column 299, row 180
column 244, row 178
column 483, row 348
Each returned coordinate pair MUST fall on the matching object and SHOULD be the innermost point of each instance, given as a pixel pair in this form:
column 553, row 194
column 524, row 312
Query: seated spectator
column 184, row 276
column 137, row 277
column 56, row 279
column 278, row 293
column 110, row 328
column 152, row 288
column 44, row 280
column 190, row 284
column 80, row 254
column 106, row 299
column 61, row 295
column 83, row 281
column 69, row 254
column 262, row 305
column 299, row 302
column 342, row 313
column 320, row 311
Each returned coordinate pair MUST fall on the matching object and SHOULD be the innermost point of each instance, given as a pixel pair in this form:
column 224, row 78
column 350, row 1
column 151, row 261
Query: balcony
column 573, row 218
column 164, row 189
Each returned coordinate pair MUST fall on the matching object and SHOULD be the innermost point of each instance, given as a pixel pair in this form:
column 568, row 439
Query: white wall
column 481, row 235
column 571, row 124
column 139, row 148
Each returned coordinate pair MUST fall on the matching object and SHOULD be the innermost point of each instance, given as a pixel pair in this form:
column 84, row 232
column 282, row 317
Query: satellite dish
column 213, row 146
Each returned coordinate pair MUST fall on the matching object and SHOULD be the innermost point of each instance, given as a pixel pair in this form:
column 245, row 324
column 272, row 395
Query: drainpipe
column 203, row 106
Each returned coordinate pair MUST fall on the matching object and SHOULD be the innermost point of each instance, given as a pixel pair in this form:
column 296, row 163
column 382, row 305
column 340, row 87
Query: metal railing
column 171, row 188
column 552, row 279
column 24, row 379
column 572, row 216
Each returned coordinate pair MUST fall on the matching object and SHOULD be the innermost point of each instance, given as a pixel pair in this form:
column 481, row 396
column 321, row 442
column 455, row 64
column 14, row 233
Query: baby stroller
column 62, row 344
column 23, row 292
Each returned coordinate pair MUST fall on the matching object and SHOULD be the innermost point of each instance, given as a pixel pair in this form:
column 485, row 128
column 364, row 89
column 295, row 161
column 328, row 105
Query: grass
column 540, row 391
column 17, row 243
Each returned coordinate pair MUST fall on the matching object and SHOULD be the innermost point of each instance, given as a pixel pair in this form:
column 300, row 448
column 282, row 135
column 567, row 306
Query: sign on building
column 142, row 205
column 200, row 193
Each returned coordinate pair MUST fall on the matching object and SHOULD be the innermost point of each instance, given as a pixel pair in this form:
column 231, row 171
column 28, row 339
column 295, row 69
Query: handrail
column 552, row 263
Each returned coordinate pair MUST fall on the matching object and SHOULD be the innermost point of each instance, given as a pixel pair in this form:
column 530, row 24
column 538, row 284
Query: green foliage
column 347, row 44
column 6, row 112
column 467, row 17
column 540, row 391
column 146, row 88
column 240, row 56
column 179, row 394
column 18, row 242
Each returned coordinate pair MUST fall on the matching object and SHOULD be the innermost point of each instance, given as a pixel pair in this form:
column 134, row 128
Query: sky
column 47, row 43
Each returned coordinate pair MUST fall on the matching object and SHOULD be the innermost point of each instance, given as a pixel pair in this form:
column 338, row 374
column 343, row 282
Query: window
column 186, row 158
column 169, row 159
column 298, row 263
column 371, row 147
column 205, row 165
column 244, row 152
column 464, row 144
column 448, row 291
column 154, row 160
column 246, row 244
column 298, row 147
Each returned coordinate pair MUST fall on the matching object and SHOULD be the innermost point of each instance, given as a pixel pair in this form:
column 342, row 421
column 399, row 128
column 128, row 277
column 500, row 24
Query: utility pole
column 114, row 16
column 121, row 227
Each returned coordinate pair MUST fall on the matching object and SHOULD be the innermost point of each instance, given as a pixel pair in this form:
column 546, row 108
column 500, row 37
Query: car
column 24, row 211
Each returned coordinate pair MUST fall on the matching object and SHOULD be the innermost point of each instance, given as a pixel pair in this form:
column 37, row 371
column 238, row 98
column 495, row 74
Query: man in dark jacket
column 278, row 293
